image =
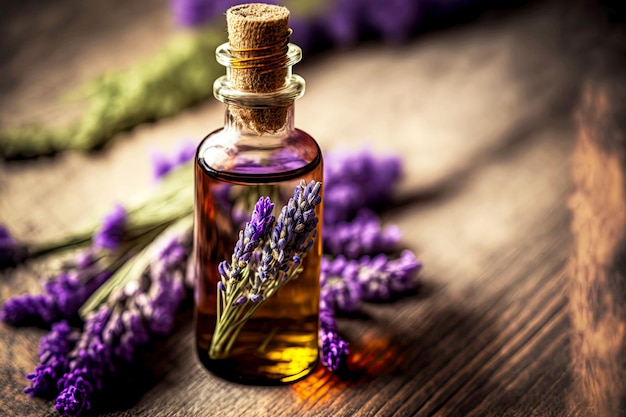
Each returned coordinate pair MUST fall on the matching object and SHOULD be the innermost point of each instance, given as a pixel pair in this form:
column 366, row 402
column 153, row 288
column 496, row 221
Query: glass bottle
column 235, row 166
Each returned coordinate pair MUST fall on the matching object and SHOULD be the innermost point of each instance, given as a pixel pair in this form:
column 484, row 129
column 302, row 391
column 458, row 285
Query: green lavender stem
column 231, row 317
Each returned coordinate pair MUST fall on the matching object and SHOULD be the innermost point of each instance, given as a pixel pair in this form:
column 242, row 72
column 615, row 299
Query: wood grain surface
column 481, row 114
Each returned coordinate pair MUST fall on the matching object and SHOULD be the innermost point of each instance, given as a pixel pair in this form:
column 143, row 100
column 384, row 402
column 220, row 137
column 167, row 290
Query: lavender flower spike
column 62, row 297
column 380, row 278
column 89, row 361
column 54, row 350
column 112, row 231
column 254, row 234
column 339, row 288
column 334, row 350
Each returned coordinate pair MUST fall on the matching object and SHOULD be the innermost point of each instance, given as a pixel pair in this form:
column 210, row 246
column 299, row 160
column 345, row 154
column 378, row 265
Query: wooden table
column 482, row 117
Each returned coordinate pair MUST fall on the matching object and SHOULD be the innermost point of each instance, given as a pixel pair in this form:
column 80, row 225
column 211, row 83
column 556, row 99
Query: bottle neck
column 259, row 110
column 245, row 120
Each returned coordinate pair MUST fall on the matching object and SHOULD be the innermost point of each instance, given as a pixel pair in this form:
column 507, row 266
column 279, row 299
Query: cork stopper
column 258, row 35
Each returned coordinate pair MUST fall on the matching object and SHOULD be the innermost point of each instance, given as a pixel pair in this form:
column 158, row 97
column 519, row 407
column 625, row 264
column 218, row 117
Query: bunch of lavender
column 113, row 334
column 64, row 295
column 266, row 256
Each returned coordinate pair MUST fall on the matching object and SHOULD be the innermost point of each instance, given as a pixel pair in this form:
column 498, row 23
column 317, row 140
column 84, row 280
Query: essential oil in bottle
column 245, row 334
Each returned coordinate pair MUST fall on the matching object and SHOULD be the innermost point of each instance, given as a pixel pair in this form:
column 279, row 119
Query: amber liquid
column 279, row 343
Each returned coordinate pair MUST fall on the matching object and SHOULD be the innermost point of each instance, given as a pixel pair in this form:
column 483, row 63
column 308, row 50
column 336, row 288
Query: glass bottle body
column 234, row 168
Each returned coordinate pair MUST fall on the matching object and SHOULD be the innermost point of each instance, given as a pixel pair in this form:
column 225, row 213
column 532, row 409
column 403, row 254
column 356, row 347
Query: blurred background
column 446, row 83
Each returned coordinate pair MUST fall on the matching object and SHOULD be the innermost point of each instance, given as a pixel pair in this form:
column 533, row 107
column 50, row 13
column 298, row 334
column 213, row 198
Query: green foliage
column 179, row 76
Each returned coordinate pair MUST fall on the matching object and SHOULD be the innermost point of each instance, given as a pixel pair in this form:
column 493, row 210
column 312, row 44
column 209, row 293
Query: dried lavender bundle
column 266, row 257
column 116, row 331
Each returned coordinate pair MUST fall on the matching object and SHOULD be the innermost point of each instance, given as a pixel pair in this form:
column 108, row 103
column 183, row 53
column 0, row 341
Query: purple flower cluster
column 114, row 333
column 346, row 282
column 54, row 350
column 61, row 298
column 162, row 164
column 112, row 230
column 363, row 235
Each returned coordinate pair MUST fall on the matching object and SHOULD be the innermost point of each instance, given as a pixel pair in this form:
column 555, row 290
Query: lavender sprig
column 54, row 350
column 346, row 282
column 364, row 235
column 263, row 261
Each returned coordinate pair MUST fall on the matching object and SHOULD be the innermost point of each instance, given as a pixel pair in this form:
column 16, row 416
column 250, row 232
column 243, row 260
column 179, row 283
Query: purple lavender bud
column 73, row 400
column 112, row 231
column 54, row 349
column 224, row 269
column 242, row 299
column 220, row 286
column 25, row 309
column 162, row 164
column 363, row 235
column 255, row 298
column 11, row 251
